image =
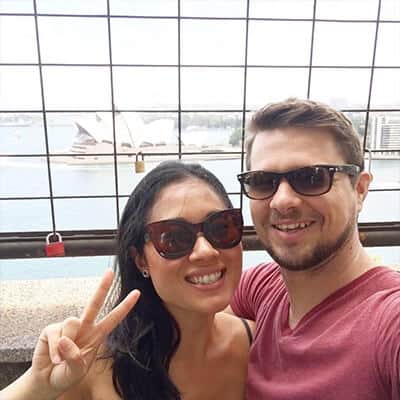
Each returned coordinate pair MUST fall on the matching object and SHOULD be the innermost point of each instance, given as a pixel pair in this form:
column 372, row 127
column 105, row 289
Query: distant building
column 385, row 133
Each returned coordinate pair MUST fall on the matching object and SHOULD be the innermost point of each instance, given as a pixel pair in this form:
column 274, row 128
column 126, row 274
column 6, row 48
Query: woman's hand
column 65, row 351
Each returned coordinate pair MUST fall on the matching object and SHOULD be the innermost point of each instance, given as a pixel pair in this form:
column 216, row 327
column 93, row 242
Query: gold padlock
column 139, row 164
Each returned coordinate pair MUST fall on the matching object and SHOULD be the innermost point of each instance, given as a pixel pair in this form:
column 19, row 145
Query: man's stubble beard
column 319, row 254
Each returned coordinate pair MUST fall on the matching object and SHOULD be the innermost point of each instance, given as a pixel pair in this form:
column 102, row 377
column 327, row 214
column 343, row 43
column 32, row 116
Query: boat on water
column 95, row 143
column 15, row 121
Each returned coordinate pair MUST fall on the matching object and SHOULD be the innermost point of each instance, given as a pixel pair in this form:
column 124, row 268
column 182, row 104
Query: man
column 328, row 319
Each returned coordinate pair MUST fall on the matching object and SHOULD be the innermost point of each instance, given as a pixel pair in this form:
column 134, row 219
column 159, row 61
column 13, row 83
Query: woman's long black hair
column 143, row 344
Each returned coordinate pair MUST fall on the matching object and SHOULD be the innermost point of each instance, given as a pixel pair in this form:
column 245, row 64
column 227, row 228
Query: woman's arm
column 24, row 388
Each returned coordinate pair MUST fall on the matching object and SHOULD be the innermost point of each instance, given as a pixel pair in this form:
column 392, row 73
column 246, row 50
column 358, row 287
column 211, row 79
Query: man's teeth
column 290, row 227
column 205, row 279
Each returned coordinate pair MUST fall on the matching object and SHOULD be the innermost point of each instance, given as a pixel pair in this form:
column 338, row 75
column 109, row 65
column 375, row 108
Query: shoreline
column 151, row 157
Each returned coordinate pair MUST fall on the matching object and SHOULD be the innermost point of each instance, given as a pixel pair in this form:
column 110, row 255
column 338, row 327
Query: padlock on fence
column 54, row 249
column 139, row 164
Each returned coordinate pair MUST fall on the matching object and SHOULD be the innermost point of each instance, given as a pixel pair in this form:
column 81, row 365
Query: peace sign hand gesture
column 65, row 351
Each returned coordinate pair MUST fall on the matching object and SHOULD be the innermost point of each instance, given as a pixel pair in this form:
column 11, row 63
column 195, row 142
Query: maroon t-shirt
column 346, row 348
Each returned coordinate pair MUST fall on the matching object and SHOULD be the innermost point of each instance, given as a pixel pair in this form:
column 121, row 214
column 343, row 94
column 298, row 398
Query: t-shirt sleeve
column 250, row 293
column 388, row 346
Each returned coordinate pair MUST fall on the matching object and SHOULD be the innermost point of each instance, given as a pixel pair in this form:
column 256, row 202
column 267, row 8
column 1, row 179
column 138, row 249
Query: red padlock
column 54, row 249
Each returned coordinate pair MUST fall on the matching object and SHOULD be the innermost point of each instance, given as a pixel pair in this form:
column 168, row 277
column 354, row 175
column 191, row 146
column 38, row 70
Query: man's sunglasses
column 174, row 238
column 308, row 181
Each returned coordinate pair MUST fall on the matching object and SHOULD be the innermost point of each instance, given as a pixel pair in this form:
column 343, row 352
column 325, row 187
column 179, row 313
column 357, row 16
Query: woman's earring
column 145, row 273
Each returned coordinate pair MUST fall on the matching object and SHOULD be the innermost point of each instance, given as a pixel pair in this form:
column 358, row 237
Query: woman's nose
column 203, row 249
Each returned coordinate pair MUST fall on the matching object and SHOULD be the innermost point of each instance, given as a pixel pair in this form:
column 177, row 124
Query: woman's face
column 204, row 280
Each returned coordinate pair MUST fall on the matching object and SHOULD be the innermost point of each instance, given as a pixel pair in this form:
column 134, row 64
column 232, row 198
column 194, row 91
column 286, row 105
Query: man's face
column 303, row 232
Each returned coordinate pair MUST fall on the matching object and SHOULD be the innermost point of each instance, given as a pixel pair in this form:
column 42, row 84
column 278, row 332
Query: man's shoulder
column 384, row 278
column 269, row 268
column 256, row 288
column 380, row 287
column 262, row 275
column 383, row 311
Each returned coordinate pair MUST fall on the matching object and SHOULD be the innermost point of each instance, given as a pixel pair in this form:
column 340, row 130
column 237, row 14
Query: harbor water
column 27, row 177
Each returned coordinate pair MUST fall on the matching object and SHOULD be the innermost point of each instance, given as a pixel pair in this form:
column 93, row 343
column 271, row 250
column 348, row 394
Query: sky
column 69, row 40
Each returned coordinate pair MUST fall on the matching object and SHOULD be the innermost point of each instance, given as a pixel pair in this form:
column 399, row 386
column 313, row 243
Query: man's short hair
column 306, row 114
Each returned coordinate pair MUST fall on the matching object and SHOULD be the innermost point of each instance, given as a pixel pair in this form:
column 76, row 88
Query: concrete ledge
column 26, row 307
column 11, row 371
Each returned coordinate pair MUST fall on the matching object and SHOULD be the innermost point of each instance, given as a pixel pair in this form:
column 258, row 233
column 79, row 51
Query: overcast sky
column 217, row 42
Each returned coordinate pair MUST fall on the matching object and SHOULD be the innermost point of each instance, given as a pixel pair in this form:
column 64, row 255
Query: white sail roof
column 129, row 128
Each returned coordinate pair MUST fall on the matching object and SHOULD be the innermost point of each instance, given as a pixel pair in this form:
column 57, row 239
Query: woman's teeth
column 205, row 279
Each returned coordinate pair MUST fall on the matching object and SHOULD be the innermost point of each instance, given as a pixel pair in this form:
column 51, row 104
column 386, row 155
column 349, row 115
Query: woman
column 179, row 244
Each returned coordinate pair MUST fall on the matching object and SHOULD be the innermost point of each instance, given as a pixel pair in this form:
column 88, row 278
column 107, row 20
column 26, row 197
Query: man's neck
column 308, row 288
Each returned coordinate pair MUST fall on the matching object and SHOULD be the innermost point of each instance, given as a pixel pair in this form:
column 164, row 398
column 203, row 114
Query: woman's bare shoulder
column 237, row 332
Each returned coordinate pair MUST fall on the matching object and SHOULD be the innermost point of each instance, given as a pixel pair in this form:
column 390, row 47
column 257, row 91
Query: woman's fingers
column 72, row 356
column 69, row 348
column 70, row 327
column 71, row 370
column 52, row 335
column 95, row 304
column 110, row 321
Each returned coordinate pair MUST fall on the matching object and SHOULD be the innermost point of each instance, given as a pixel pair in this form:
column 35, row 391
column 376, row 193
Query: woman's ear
column 140, row 260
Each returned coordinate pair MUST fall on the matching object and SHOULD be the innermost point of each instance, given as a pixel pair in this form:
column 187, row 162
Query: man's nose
column 203, row 250
column 285, row 198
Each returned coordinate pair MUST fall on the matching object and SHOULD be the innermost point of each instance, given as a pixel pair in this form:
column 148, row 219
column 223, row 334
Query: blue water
column 27, row 176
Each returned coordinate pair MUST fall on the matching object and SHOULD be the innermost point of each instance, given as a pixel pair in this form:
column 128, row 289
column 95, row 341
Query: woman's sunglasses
column 308, row 181
column 174, row 238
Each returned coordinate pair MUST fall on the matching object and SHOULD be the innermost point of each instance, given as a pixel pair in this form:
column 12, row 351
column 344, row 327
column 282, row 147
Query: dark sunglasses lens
column 310, row 180
column 224, row 229
column 175, row 239
column 171, row 240
column 260, row 184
